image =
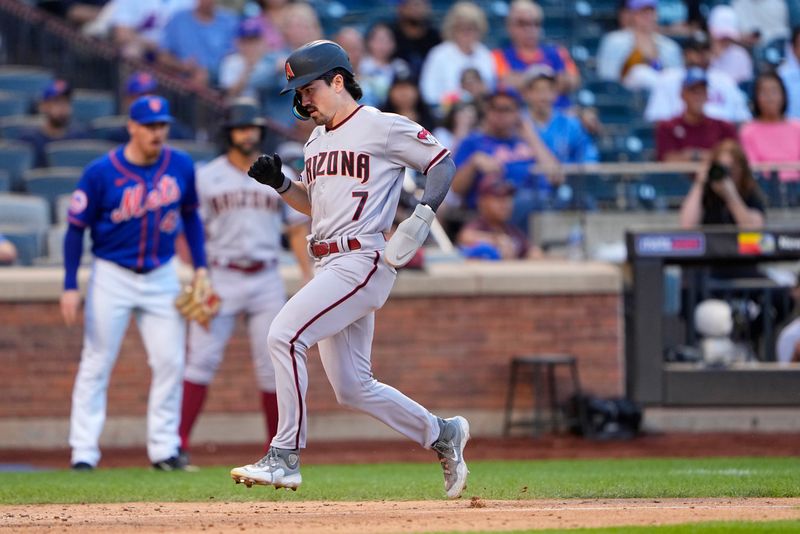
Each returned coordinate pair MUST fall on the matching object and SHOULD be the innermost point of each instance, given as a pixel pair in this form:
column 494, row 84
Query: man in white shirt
column 762, row 21
column 725, row 100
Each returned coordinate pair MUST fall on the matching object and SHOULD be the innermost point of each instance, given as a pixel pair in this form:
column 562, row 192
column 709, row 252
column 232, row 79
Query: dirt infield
column 388, row 517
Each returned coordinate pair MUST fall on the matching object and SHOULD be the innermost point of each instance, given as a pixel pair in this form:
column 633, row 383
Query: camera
column 717, row 172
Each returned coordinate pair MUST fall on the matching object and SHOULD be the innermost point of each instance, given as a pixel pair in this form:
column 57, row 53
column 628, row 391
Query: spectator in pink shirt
column 771, row 137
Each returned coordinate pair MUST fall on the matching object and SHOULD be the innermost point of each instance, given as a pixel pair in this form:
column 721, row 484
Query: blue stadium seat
column 779, row 194
column 621, row 112
column 75, row 153
column 771, row 187
column 29, row 243
column 106, row 127
column 51, row 183
column 24, row 210
column 771, row 54
column 25, row 80
column 13, row 126
column 12, row 104
column 591, row 191
column 5, row 181
column 89, row 105
column 200, row 151
column 647, row 134
column 662, row 190
column 608, row 88
column 16, row 157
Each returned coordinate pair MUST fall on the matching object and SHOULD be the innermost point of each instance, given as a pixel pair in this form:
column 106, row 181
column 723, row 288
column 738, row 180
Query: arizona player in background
column 355, row 160
column 243, row 221
column 134, row 200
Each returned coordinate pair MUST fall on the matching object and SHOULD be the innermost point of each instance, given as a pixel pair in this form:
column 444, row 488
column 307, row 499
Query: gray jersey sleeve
column 410, row 145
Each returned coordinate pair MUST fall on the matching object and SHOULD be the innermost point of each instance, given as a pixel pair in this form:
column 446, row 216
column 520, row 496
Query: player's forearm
column 437, row 182
column 193, row 229
column 297, row 197
column 73, row 249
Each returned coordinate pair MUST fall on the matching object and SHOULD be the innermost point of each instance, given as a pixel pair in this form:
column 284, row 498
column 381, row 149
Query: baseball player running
column 243, row 222
column 134, row 200
column 354, row 164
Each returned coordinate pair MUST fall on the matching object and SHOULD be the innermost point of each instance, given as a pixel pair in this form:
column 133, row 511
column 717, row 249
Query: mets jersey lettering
column 136, row 202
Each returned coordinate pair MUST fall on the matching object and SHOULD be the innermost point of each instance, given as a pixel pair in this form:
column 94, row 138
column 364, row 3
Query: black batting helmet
column 240, row 113
column 243, row 112
column 311, row 61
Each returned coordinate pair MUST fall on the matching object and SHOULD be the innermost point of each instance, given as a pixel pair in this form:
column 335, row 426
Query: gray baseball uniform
column 243, row 222
column 353, row 173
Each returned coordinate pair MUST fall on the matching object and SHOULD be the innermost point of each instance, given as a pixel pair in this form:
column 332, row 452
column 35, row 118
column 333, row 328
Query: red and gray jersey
column 354, row 171
column 243, row 219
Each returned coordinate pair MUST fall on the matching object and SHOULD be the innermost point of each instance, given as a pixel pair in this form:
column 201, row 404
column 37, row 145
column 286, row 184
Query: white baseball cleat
column 449, row 447
column 279, row 468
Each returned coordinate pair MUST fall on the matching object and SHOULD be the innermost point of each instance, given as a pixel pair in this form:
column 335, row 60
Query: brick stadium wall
column 449, row 353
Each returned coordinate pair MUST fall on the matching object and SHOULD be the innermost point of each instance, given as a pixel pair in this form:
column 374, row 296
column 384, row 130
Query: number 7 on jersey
column 362, row 196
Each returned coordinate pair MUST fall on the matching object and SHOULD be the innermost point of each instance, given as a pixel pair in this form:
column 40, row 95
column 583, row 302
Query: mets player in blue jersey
column 134, row 200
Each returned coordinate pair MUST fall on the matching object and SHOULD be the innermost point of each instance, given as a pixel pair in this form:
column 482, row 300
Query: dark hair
column 350, row 83
column 795, row 35
column 449, row 120
column 761, row 78
column 424, row 116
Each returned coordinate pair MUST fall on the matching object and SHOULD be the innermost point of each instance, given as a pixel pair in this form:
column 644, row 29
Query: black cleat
column 82, row 466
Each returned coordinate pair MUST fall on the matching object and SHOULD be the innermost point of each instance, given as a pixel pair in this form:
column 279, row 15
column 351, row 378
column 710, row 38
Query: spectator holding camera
column 771, row 137
column 724, row 192
column 690, row 136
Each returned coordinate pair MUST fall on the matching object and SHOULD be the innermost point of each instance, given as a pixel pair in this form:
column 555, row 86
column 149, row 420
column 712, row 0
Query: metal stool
column 543, row 368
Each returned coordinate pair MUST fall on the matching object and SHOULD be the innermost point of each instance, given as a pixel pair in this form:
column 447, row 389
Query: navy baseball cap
column 141, row 83
column 636, row 5
column 150, row 109
column 249, row 28
column 506, row 91
column 694, row 76
column 496, row 188
column 55, row 89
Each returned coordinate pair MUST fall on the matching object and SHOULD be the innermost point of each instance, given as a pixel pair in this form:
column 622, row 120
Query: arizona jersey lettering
column 354, row 171
column 243, row 219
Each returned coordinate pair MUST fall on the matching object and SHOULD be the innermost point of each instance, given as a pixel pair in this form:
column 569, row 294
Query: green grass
column 744, row 527
column 560, row 479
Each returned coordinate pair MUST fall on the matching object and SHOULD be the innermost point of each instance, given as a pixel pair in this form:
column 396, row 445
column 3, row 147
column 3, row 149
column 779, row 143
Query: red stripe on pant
column 303, row 329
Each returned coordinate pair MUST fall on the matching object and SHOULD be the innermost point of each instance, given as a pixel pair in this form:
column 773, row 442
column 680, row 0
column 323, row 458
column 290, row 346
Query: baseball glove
column 198, row 302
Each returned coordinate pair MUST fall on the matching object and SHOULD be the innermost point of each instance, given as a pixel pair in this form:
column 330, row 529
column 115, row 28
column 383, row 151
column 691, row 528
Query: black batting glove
column 267, row 170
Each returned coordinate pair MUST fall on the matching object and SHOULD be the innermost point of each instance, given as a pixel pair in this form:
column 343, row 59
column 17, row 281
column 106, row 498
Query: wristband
column 284, row 187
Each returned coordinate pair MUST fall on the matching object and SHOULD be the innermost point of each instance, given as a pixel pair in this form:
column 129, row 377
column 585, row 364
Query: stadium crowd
column 513, row 89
